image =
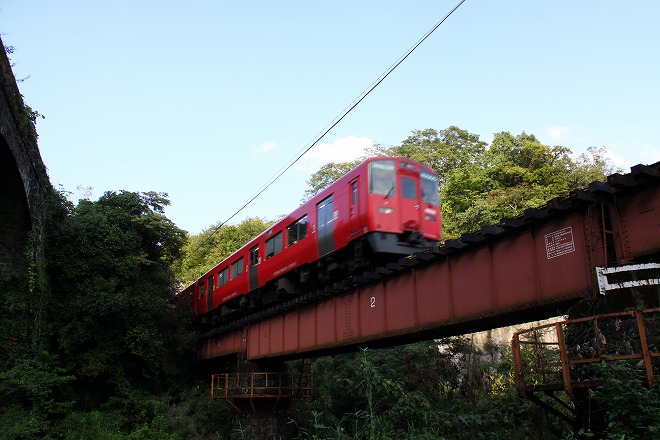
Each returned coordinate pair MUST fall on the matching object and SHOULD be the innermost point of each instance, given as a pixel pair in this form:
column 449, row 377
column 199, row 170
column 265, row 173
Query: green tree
column 631, row 409
column 327, row 174
column 443, row 150
column 111, row 271
column 418, row 391
column 516, row 173
column 32, row 382
column 203, row 251
column 591, row 167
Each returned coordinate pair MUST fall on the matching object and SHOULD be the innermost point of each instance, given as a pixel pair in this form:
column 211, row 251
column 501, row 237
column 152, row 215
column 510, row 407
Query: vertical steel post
column 645, row 348
column 565, row 364
column 517, row 365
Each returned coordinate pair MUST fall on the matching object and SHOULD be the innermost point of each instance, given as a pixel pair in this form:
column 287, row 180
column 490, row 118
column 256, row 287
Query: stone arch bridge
column 24, row 182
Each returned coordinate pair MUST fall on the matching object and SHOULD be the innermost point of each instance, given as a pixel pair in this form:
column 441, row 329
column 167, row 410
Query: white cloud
column 265, row 147
column 556, row 133
column 649, row 154
column 618, row 160
column 342, row 150
column 633, row 153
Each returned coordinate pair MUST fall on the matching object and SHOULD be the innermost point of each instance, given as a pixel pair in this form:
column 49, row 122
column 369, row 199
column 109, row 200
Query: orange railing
column 567, row 354
column 261, row 385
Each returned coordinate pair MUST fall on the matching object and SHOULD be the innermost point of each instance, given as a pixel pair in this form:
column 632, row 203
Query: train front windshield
column 430, row 190
column 382, row 181
column 382, row 178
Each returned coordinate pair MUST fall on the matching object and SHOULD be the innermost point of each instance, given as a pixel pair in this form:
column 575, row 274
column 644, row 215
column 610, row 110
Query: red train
column 384, row 208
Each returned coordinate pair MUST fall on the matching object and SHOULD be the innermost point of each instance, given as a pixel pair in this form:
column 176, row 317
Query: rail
column 567, row 355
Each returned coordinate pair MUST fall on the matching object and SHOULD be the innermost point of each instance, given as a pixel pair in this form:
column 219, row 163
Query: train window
column 354, row 193
column 274, row 245
column 223, row 277
column 325, row 212
column 201, row 290
column 430, row 191
column 237, row 268
column 254, row 256
column 296, row 231
column 325, row 216
column 408, row 188
column 382, row 178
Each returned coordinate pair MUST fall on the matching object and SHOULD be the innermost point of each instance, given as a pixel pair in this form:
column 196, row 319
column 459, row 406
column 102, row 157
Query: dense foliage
column 460, row 392
column 420, row 392
column 111, row 274
column 107, row 341
column 203, row 251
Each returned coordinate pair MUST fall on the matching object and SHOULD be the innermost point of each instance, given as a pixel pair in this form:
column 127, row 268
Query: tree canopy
column 327, row 174
column 443, row 150
column 481, row 184
column 107, row 333
column 111, row 271
column 203, row 251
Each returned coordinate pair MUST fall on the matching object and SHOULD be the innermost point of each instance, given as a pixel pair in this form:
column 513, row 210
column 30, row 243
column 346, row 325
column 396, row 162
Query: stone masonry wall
column 23, row 179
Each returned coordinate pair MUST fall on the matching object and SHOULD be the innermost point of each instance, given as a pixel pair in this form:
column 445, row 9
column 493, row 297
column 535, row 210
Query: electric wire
column 327, row 129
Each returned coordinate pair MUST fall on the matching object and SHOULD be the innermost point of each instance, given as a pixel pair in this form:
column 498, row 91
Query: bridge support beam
column 263, row 395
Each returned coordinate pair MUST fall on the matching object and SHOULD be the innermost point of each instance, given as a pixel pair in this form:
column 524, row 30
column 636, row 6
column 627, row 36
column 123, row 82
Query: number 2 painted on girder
column 373, row 302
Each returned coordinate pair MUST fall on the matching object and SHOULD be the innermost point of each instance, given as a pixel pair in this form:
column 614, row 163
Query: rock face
column 486, row 340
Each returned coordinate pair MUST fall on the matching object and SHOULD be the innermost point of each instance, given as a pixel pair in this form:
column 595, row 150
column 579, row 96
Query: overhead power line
column 330, row 126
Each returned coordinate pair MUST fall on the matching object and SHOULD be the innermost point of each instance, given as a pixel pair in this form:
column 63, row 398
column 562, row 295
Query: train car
column 384, row 208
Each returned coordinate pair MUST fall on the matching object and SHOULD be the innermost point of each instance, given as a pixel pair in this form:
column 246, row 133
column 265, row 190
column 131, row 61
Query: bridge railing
column 569, row 354
column 261, row 385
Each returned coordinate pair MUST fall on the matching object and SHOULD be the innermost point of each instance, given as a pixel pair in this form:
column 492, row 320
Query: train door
column 353, row 208
column 326, row 239
column 254, row 266
column 409, row 207
column 209, row 292
column 430, row 204
column 200, row 298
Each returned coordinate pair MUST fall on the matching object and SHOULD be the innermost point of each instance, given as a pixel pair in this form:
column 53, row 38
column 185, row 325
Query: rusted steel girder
column 633, row 217
column 540, row 266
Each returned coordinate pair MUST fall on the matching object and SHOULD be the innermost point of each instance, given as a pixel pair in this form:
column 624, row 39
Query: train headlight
column 430, row 218
column 385, row 210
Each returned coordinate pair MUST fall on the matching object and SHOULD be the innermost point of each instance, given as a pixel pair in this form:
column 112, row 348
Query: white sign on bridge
column 559, row 243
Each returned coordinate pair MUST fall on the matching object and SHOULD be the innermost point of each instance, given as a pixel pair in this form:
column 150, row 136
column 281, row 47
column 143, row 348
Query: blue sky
column 207, row 100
